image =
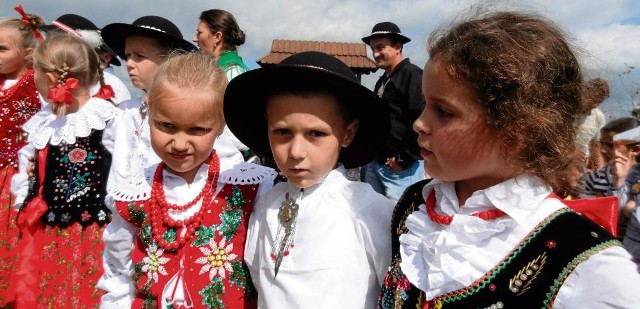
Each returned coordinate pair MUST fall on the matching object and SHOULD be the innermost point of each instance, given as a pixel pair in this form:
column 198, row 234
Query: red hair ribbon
column 27, row 21
column 62, row 93
column 105, row 92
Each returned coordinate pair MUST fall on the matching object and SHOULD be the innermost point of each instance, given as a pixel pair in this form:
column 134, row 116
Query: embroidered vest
column 214, row 271
column 531, row 274
column 75, row 182
column 17, row 104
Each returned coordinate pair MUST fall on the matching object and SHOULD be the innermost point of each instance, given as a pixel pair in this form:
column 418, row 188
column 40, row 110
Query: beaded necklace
column 172, row 234
column 446, row 220
column 5, row 94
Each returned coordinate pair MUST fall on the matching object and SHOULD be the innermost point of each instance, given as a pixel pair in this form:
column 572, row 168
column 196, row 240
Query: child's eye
column 316, row 133
column 281, row 131
column 443, row 113
column 164, row 125
column 200, row 130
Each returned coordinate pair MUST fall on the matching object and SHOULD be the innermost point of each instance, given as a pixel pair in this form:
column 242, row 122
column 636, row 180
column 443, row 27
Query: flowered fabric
column 19, row 101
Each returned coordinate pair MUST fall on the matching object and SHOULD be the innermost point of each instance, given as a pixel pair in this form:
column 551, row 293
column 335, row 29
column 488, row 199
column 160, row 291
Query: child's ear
column 350, row 132
column 28, row 54
column 52, row 79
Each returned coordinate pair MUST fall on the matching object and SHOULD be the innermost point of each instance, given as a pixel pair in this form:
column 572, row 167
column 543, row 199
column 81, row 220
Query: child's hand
column 31, row 168
column 621, row 165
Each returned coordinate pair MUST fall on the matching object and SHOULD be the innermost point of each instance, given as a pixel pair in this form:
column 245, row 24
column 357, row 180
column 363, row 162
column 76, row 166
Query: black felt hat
column 387, row 29
column 156, row 27
column 246, row 96
column 75, row 23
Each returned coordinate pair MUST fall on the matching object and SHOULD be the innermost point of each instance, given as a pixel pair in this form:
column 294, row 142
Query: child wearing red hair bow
column 62, row 212
column 19, row 101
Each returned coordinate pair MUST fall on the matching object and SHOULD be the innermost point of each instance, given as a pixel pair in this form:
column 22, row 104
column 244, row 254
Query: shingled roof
column 352, row 54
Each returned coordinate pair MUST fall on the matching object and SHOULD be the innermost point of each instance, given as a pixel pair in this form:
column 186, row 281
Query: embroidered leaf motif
column 521, row 282
column 229, row 222
column 203, row 234
column 212, row 292
column 169, row 235
column 145, row 235
column 239, row 275
column 136, row 215
column 236, row 201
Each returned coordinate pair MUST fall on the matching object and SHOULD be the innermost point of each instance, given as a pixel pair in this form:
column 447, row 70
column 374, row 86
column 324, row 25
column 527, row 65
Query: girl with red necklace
column 18, row 102
column 503, row 95
column 179, row 237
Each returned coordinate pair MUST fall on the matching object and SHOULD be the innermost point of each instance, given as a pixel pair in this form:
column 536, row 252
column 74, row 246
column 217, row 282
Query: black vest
column 529, row 277
column 75, row 182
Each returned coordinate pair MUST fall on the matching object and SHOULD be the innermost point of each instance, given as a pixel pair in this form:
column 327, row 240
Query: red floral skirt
column 8, row 230
column 70, row 267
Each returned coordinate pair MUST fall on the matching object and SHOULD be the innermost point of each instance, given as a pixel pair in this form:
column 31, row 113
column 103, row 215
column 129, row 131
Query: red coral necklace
column 446, row 220
column 169, row 233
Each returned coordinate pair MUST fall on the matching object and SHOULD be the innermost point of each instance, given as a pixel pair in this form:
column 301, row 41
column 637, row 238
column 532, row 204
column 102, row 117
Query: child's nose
column 180, row 143
column 297, row 149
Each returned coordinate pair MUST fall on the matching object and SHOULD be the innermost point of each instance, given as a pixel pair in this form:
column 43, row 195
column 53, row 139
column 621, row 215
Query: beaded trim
column 484, row 280
column 557, row 283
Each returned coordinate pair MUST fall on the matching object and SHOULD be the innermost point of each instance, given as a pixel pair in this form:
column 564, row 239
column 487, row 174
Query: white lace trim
column 139, row 188
column 45, row 128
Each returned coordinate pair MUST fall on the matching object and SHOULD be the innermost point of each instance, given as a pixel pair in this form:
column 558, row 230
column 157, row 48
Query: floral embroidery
column 85, row 216
column 203, row 235
column 217, row 259
column 77, row 155
column 154, row 263
column 212, row 292
column 231, row 217
column 102, row 215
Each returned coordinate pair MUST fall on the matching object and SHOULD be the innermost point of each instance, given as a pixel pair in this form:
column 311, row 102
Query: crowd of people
column 489, row 178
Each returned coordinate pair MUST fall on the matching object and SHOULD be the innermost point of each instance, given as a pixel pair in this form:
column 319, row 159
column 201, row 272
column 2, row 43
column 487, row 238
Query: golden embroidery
column 522, row 281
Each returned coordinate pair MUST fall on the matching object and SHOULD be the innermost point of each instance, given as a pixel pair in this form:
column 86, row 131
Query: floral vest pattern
column 214, row 271
column 17, row 104
column 531, row 274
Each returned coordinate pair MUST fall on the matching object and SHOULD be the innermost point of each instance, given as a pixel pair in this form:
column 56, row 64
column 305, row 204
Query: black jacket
column 403, row 95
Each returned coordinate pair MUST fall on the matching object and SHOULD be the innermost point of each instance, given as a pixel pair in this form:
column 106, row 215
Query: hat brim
column 397, row 36
column 114, row 35
column 246, row 96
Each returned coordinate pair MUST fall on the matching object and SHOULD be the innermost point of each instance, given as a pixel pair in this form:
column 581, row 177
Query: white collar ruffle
column 439, row 259
column 243, row 173
column 46, row 128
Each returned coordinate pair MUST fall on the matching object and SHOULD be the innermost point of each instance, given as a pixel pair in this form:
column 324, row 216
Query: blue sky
column 606, row 33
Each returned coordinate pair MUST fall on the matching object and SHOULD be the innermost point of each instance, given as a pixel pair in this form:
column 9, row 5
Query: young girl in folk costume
column 18, row 102
column 144, row 44
column 63, row 211
column 318, row 240
column 188, row 220
column 503, row 91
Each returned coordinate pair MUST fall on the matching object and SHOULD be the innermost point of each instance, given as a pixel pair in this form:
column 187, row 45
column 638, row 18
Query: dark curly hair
column 526, row 75
column 223, row 21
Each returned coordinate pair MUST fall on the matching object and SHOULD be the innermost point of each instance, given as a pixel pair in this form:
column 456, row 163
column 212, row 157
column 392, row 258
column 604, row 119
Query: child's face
column 183, row 131
column 455, row 140
column 12, row 59
column 144, row 55
column 606, row 145
column 306, row 134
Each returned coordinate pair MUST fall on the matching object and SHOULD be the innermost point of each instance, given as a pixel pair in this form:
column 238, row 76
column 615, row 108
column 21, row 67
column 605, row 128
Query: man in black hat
column 90, row 33
column 400, row 87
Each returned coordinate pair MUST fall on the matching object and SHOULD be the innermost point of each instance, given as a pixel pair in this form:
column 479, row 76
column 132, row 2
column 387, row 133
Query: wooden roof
column 352, row 54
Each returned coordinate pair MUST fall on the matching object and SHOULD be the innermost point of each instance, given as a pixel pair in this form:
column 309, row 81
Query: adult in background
column 90, row 33
column 589, row 125
column 400, row 87
column 219, row 35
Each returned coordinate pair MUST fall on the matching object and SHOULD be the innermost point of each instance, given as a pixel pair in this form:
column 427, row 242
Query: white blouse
column 439, row 259
column 342, row 246
column 45, row 128
column 119, row 235
column 133, row 152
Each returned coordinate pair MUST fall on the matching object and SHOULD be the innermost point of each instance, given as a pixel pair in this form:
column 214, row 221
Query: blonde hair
column 67, row 56
column 26, row 37
column 191, row 72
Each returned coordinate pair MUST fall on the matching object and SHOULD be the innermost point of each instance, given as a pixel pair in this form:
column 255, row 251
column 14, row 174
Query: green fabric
column 229, row 59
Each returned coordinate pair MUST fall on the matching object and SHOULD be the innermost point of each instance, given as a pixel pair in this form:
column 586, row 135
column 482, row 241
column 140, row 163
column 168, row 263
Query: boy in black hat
column 90, row 33
column 318, row 228
column 400, row 87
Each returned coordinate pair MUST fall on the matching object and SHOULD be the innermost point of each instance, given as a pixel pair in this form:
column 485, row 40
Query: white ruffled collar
column 435, row 258
column 243, row 173
column 45, row 127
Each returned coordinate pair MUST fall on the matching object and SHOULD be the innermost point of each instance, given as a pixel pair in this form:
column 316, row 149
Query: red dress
column 211, row 264
column 17, row 104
